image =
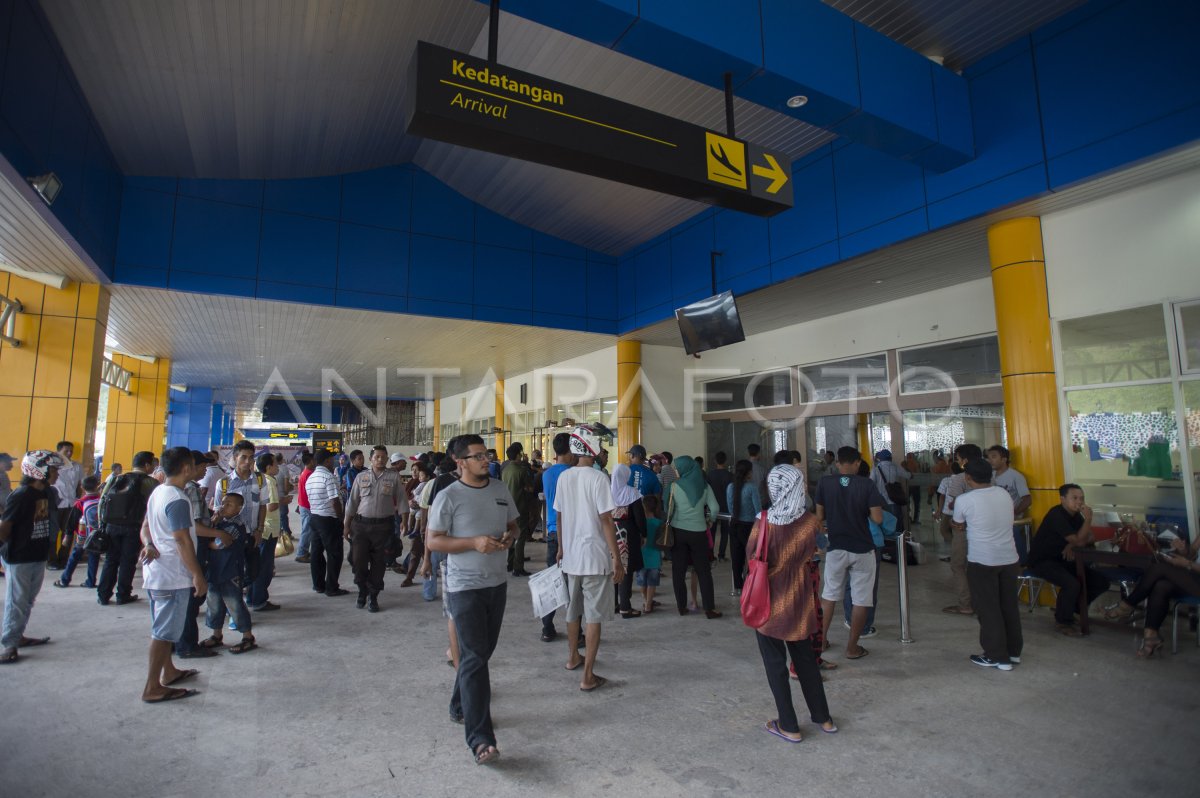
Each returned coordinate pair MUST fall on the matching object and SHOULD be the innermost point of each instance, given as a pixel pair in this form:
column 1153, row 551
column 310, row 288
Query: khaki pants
column 958, row 567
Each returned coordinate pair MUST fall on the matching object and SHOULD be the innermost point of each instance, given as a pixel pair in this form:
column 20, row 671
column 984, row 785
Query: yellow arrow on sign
column 771, row 170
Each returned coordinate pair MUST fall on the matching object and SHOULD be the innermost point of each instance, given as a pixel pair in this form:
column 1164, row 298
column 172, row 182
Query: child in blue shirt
column 226, row 577
column 648, row 577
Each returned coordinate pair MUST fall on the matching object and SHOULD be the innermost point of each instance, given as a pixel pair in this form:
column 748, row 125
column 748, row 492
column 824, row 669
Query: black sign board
column 468, row 101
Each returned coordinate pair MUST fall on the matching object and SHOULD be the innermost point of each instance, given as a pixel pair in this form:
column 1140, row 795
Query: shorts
column 591, row 597
column 859, row 568
column 168, row 612
column 648, row 577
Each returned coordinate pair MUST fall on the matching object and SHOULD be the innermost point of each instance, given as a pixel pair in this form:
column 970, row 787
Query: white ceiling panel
column 31, row 239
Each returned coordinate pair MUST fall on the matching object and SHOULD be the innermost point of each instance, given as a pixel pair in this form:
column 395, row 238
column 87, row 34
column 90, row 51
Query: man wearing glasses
column 474, row 521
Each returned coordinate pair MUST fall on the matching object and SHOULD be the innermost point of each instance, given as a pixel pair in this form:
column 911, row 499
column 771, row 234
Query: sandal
column 9, row 656
column 189, row 673
column 29, row 642
column 862, row 652
column 244, row 646
column 172, row 695
column 1119, row 612
column 485, row 753
column 1150, row 646
column 772, row 727
column 630, row 614
column 211, row 642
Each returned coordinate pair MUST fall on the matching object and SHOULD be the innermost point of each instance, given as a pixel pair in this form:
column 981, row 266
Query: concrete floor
column 340, row 702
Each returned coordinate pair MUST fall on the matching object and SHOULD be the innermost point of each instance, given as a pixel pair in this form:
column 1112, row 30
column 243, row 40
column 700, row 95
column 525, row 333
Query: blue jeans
column 93, row 562
column 305, row 532
column 847, row 606
column 257, row 597
column 551, row 559
column 190, row 638
column 227, row 598
column 284, row 524
column 477, row 616
column 22, row 583
column 436, row 558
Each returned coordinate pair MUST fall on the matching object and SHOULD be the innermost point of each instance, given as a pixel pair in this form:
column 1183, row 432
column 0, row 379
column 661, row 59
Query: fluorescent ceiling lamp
column 58, row 281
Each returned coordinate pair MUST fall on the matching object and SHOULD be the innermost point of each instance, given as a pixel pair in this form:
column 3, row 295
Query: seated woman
column 791, row 543
column 1173, row 576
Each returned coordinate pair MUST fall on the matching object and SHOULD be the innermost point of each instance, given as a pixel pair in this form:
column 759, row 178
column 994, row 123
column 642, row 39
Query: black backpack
column 124, row 503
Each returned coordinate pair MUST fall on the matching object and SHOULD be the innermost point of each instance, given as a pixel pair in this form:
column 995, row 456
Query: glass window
column 935, row 430
column 826, row 434
column 1189, row 337
column 770, row 389
column 855, row 378
column 965, row 364
column 1191, row 426
column 1125, row 452
column 1115, row 347
column 732, row 437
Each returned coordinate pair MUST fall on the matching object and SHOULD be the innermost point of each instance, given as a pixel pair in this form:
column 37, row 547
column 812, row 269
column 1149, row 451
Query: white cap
column 396, row 457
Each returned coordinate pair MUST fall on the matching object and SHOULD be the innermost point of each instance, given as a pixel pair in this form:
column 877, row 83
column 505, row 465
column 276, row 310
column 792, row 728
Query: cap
column 397, row 457
column 6, row 456
column 585, row 442
column 637, row 450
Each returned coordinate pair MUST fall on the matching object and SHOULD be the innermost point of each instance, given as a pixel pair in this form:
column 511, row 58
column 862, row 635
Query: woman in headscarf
column 691, row 508
column 791, row 542
column 630, row 518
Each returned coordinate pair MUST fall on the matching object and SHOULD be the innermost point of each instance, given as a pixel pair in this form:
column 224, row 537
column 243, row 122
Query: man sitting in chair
column 1051, row 557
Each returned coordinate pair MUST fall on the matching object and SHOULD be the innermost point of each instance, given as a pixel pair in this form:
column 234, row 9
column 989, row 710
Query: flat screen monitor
column 710, row 323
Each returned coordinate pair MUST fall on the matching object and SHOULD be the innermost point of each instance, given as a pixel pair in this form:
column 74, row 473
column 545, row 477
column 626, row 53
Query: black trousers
column 1159, row 584
column 722, row 532
column 120, row 562
column 994, row 596
column 478, row 615
column 774, row 656
column 691, row 548
column 737, row 551
column 634, row 525
column 1056, row 573
column 326, row 553
column 368, row 538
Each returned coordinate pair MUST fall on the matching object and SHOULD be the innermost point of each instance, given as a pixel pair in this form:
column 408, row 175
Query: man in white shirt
column 70, row 480
column 170, row 574
column 212, row 475
column 325, row 519
column 587, row 551
column 1013, row 481
column 986, row 515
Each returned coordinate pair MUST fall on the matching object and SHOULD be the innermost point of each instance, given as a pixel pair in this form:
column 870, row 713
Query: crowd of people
column 206, row 535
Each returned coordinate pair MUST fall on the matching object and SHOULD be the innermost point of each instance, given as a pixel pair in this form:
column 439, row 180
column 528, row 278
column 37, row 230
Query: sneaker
column 270, row 606
column 304, row 558
column 337, row 591
column 1015, row 660
column 59, row 583
column 868, row 632
column 372, row 604
column 984, row 662
column 362, row 601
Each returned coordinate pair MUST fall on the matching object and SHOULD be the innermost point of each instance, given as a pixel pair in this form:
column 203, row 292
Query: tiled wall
column 392, row 239
column 190, row 418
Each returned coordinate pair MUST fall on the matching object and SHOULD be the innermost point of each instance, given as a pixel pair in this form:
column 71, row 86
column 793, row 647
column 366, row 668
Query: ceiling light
column 797, row 102
column 47, row 185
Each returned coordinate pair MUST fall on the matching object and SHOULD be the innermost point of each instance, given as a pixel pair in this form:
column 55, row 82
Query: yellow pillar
column 1026, row 360
column 50, row 384
column 863, row 429
column 137, row 421
column 629, row 395
column 500, row 417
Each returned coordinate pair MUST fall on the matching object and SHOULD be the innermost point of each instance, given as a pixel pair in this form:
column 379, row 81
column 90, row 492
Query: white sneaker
column 735, row 592
column 1015, row 660
column 868, row 632
column 984, row 662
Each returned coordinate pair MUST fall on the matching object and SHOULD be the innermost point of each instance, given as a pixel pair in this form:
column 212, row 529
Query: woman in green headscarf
column 691, row 509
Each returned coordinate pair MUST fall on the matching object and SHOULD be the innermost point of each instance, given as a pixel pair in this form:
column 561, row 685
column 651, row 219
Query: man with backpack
column 85, row 519
column 892, row 482
column 122, row 511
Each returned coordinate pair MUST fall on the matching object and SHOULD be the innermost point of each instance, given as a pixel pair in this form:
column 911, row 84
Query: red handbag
column 756, row 592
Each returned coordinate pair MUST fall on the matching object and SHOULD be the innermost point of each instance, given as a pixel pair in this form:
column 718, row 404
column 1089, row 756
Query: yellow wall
column 629, row 395
column 137, row 421
column 49, row 385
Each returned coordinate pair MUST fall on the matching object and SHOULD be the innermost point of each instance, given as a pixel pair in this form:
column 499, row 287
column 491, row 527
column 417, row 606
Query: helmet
column 37, row 464
column 585, row 442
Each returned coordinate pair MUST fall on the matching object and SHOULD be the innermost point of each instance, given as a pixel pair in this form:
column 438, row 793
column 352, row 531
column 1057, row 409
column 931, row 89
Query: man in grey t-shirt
column 474, row 521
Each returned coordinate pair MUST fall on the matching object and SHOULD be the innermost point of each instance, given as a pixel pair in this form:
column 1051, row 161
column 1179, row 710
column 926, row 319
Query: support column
column 50, row 384
column 137, row 421
column 500, row 418
column 1026, row 359
column 629, row 395
column 863, row 433
column 437, row 423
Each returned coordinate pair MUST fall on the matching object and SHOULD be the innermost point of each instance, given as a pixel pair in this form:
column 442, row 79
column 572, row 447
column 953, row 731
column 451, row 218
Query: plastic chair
column 1186, row 601
column 1033, row 586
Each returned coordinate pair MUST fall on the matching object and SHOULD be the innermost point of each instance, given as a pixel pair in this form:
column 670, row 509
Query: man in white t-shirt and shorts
column 986, row 513
column 170, row 572
column 587, row 550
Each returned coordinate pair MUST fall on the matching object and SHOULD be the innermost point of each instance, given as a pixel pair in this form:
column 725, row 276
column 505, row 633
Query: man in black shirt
column 846, row 503
column 1064, row 528
column 719, row 479
column 25, row 536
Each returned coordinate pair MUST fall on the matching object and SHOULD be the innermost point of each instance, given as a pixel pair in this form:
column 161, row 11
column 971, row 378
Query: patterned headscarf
column 785, row 484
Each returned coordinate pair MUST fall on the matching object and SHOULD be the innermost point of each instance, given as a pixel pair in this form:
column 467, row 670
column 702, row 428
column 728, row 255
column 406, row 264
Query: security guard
column 370, row 522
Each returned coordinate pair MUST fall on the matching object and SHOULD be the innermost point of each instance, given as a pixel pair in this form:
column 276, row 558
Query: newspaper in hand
column 548, row 589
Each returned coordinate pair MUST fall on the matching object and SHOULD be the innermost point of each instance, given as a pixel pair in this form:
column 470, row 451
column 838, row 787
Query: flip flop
column 189, row 673
column 600, row 682
column 30, row 642
column 9, row 657
column 486, row 753
column 834, row 730
column 862, row 653
column 826, row 665
column 172, row 695
column 577, row 666
column 772, row 727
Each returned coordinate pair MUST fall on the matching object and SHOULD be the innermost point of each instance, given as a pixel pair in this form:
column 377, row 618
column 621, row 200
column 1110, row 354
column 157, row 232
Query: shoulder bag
column 756, row 592
column 665, row 540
